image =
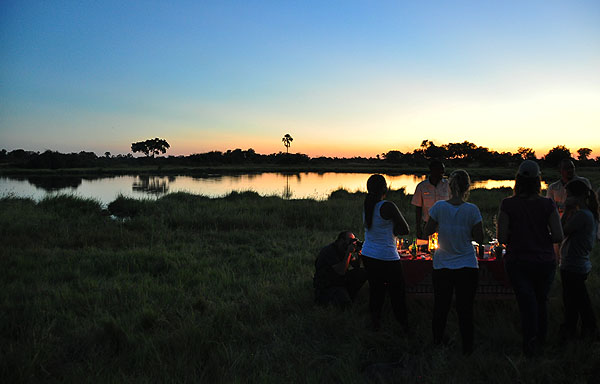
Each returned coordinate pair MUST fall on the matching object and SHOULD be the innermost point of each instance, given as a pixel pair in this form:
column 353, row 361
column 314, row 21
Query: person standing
column 556, row 191
column 529, row 225
column 383, row 222
column 427, row 193
column 333, row 281
column 580, row 225
column 455, row 266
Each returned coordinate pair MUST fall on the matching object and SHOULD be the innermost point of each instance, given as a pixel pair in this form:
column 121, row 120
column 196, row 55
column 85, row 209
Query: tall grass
column 192, row 289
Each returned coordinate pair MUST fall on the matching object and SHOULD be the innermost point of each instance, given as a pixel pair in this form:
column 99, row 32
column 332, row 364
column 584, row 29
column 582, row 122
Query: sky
column 344, row 78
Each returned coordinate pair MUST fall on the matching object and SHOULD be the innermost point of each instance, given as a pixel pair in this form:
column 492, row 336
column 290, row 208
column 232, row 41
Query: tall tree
column 583, row 153
column 150, row 147
column 287, row 141
column 526, row 153
column 556, row 154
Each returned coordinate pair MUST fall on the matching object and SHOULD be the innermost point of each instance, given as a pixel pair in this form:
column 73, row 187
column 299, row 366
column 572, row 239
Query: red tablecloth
column 492, row 278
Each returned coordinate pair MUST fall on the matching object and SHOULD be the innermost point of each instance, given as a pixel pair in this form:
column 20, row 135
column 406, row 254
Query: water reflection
column 154, row 185
column 301, row 185
column 54, row 183
column 287, row 191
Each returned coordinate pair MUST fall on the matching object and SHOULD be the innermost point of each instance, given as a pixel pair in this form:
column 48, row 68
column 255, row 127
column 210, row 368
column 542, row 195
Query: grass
column 192, row 289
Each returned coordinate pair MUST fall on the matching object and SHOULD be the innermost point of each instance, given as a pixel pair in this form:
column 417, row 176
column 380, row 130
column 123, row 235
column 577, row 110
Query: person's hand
column 351, row 248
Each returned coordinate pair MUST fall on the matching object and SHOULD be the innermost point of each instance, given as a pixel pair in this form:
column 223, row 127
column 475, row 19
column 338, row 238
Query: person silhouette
column 427, row 193
column 529, row 225
column 580, row 225
column 338, row 277
column 556, row 191
column 455, row 266
column 383, row 222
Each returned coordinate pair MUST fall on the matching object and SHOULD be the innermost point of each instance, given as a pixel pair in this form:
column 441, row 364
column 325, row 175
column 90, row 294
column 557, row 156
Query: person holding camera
column 383, row 222
column 334, row 282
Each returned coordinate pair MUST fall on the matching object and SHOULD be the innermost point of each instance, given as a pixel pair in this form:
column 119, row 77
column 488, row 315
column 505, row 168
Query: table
column 492, row 277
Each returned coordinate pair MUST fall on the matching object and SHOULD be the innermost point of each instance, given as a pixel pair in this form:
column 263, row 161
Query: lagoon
column 302, row 185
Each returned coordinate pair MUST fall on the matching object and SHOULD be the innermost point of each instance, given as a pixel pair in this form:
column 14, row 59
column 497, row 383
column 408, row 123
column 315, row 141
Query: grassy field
column 192, row 289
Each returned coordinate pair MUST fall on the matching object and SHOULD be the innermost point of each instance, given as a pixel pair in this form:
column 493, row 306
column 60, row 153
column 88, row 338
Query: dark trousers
column 445, row 282
column 343, row 296
column 577, row 304
column 531, row 282
column 386, row 276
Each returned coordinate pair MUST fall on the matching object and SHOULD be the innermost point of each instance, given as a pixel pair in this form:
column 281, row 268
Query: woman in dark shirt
column 529, row 225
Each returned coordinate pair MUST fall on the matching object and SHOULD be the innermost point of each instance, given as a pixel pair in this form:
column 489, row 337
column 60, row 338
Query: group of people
column 537, row 232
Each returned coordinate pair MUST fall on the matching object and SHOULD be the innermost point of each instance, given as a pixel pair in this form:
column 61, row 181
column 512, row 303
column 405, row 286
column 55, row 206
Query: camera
column 358, row 244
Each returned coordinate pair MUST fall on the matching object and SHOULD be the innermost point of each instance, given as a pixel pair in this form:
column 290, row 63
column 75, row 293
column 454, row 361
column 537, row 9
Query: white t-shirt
column 557, row 192
column 426, row 194
column 456, row 222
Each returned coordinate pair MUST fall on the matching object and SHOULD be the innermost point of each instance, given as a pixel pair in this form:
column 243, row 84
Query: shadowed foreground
column 191, row 289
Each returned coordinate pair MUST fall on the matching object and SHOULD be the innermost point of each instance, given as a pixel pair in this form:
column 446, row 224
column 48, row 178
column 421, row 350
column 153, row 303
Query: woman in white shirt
column 455, row 264
column 383, row 222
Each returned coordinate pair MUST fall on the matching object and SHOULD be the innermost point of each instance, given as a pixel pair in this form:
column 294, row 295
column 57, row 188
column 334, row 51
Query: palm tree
column 287, row 141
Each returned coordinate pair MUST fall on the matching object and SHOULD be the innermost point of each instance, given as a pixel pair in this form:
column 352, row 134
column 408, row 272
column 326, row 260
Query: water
column 311, row 185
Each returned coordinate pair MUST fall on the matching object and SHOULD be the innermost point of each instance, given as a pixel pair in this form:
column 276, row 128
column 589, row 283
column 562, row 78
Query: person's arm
column 341, row 267
column 430, row 227
column 390, row 211
column 502, row 231
column 477, row 234
column 555, row 227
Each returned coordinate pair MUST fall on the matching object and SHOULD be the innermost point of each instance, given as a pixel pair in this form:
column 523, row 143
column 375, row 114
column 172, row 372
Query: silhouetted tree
column 393, row 156
column 556, row 154
column 287, row 141
column 583, row 153
column 464, row 150
column 526, row 153
column 150, row 147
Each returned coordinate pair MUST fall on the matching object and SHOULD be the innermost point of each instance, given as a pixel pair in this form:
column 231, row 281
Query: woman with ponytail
column 580, row 224
column 455, row 266
column 383, row 222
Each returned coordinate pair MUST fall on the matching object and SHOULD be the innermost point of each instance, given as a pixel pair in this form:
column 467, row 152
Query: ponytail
column 376, row 189
column 459, row 184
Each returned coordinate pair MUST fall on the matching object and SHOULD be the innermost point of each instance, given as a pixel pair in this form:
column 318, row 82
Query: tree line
column 454, row 154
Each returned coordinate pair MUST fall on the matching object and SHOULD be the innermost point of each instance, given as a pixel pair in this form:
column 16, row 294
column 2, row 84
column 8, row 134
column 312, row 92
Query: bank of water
column 310, row 185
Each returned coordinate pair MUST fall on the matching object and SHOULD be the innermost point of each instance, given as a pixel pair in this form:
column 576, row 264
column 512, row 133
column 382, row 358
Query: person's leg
column 338, row 296
column 442, row 300
column 376, row 289
column 525, row 295
column 465, row 281
column 354, row 280
column 395, row 280
column 544, row 277
column 569, row 290
column 588, row 318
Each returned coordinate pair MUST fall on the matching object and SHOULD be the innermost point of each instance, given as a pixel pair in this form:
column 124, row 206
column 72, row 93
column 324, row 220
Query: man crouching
column 334, row 282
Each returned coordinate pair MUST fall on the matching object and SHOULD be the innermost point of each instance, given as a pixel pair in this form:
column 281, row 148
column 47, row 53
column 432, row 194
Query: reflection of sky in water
column 297, row 186
column 490, row 184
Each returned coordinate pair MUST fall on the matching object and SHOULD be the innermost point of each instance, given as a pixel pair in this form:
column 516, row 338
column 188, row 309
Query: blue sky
column 345, row 78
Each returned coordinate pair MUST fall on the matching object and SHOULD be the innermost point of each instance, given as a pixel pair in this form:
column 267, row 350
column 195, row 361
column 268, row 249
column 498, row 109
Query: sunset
column 312, row 191
column 344, row 78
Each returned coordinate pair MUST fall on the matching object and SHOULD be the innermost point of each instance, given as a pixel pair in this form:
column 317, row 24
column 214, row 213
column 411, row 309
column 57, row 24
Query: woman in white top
column 383, row 221
column 455, row 262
